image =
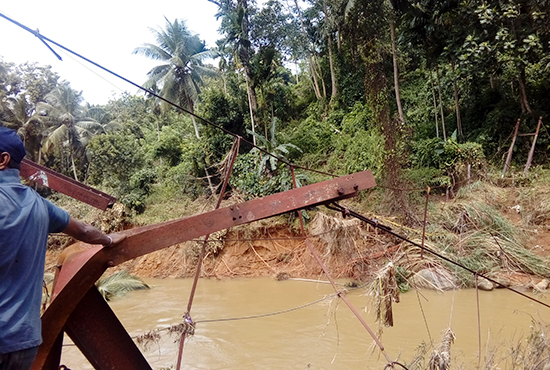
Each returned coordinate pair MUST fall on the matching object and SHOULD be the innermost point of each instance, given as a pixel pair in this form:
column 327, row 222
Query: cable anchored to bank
column 347, row 212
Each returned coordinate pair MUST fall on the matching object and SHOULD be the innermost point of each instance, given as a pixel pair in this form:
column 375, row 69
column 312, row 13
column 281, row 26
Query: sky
column 104, row 31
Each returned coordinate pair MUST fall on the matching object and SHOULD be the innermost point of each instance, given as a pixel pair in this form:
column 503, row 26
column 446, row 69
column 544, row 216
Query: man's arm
column 91, row 235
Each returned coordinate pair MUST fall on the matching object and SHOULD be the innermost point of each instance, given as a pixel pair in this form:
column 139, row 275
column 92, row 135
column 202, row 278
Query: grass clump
column 473, row 231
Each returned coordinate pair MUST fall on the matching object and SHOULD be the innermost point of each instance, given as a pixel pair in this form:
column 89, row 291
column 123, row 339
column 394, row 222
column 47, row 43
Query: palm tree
column 181, row 74
column 60, row 123
column 14, row 111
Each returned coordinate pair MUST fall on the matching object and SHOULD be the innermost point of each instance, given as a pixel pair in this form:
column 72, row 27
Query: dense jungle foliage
column 420, row 92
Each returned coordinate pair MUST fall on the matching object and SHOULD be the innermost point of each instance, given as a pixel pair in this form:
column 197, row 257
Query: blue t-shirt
column 25, row 221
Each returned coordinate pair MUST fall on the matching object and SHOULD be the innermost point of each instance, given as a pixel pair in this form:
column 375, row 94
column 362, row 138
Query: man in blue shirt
column 26, row 219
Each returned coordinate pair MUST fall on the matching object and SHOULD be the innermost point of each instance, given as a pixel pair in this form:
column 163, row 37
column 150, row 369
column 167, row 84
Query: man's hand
column 115, row 238
column 89, row 234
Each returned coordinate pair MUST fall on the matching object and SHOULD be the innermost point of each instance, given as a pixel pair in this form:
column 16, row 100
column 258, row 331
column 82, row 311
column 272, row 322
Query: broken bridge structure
column 78, row 309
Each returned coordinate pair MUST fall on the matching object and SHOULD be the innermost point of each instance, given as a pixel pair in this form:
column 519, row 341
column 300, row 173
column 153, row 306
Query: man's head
column 12, row 150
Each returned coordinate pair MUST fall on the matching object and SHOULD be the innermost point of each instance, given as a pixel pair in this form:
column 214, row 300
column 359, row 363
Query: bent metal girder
column 65, row 185
column 78, row 309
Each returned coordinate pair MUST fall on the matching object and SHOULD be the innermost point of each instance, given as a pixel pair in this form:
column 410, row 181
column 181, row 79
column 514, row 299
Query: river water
column 325, row 335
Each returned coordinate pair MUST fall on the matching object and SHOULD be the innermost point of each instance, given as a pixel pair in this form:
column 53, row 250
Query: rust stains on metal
column 76, row 277
column 64, row 184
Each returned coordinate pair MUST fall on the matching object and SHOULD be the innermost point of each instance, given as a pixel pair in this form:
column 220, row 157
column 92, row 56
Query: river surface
column 325, row 335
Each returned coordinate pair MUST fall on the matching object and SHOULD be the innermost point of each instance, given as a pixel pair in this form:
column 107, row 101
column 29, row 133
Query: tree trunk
column 244, row 56
column 73, row 165
column 212, row 190
column 396, row 72
column 524, row 102
column 394, row 158
column 441, row 104
column 314, row 76
column 251, row 111
column 457, row 103
column 338, row 37
column 192, row 110
column 532, row 151
column 310, row 59
column 435, row 105
column 318, row 67
column 334, row 92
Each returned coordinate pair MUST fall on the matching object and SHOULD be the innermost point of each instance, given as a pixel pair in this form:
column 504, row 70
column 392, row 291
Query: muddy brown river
column 324, row 335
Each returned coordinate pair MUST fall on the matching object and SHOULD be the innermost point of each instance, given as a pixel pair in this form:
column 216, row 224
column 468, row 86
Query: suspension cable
column 45, row 40
column 347, row 212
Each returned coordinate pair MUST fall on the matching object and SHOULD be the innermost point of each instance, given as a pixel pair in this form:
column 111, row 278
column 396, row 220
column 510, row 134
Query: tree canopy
column 414, row 90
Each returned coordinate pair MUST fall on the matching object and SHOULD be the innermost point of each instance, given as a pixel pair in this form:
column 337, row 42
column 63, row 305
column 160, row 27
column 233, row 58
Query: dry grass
column 385, row 291
column 441, row 356
column 534, row 201
column 338, row 234
column 532, row 353
column 474, row 231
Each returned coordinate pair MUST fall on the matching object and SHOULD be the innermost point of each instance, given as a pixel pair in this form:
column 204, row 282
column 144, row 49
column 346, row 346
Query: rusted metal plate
column 64, row 184
column 81, row 270
column 54, row 356
column 100, row 336
column 77, row 276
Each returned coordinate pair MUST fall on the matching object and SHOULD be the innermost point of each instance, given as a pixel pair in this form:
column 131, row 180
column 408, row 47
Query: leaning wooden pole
column 532, row 151
column 511, row 150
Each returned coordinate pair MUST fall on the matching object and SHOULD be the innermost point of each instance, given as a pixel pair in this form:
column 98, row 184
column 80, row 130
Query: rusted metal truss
column 79, row 310
column 63, row 184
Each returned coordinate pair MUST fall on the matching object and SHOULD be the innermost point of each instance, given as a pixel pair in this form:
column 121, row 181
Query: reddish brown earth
column 269, row 248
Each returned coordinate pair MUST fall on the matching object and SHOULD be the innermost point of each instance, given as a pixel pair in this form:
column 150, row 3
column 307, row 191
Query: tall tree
column 514, row 34
column 315, row 74
column 236, row 30
column 371, row 18
column 180, row 77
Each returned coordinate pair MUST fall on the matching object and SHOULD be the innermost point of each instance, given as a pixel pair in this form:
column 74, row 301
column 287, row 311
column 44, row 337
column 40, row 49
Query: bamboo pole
column 509, row 157
column 532, row 151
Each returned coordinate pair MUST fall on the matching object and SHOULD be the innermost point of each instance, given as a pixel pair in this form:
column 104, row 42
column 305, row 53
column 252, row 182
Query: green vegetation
column 118, row 284
column 423, row 93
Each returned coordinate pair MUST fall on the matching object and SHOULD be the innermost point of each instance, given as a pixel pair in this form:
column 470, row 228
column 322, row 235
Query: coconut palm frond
column 57, row 137
column 113, row 126
column 86, row 130
column 119, row 283
column 152, row 51
column 183, row 53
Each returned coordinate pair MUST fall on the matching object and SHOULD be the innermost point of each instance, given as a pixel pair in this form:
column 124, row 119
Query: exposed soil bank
column 350, row 250
column 268, row 250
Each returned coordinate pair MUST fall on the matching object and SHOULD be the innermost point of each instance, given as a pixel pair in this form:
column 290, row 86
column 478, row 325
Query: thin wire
column 478, row 326
column 456, row 274
column 330, row 296
column 150, row 92
column 423, row 315
column 92, row 71
column 273, row 313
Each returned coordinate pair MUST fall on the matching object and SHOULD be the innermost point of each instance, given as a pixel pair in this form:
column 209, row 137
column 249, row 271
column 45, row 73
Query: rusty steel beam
column 82, row 269
column 77, row 276
column 145, row 240
column 64, row 184
column 91, row 323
